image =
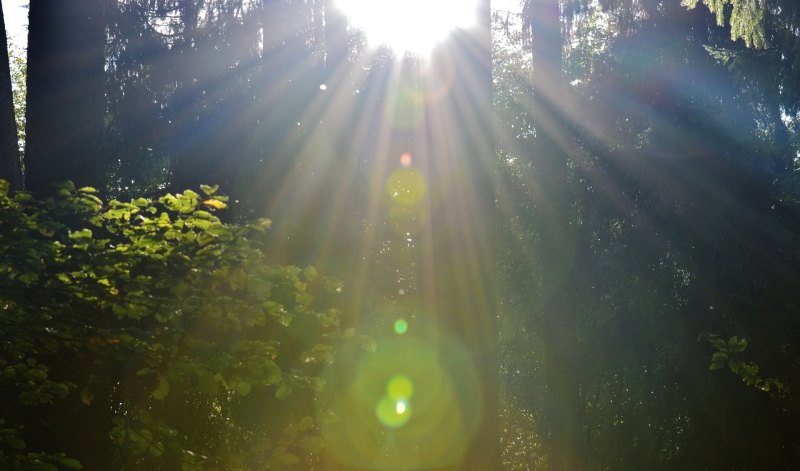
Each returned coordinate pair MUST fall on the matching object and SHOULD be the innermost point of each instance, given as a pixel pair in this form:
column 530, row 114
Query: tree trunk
column 558, row 235
column 66, row 94
column 9, row 149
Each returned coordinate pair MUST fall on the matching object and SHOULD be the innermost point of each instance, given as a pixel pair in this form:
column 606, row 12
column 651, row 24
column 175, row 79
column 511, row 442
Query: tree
column 559, row 247
column 66, row 94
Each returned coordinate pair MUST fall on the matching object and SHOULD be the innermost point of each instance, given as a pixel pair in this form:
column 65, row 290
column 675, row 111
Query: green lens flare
column 401, row 326
column 406, row 186
column 413, row 403
column 400, row 387
column 393, row 413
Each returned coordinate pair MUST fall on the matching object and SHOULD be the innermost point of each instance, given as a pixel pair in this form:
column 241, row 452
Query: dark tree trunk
column 66, row 94
column 9, row 150
column 65, row 119
column 558, row 235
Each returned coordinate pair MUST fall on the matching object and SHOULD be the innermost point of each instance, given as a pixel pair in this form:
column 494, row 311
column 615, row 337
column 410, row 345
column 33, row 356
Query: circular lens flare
column 400, row 388
column 400, row 326
column 406, row 186
column 393, row 413
column 413, row 403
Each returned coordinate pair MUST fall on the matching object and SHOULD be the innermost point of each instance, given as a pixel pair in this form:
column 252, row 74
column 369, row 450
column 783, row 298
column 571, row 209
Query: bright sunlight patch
column 414, row 26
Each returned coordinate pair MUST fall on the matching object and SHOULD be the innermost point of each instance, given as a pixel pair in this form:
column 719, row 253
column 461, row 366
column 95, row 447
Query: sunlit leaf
column 209, row 190
column 162, row 390
column 215, row 203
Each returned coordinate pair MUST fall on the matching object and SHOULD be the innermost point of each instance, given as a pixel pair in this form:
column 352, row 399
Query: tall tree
column 9, row 151
column 66, row 94
column 558, row 245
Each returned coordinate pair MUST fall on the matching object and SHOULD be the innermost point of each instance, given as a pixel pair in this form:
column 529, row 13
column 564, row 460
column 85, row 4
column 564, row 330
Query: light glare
column 414, row 26
column 401, row 326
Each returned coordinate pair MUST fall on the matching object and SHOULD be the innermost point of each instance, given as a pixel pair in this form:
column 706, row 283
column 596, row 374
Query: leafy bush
column 151, row 334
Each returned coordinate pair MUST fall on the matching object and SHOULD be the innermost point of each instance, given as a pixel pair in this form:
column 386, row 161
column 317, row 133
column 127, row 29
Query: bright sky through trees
column 408, row 25
column 16, row 16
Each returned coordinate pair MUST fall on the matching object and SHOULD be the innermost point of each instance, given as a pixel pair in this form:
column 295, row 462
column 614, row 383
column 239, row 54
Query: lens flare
column 400, row 388
column 406, row 186
column 404, row 106
column 408, row 220
column 415, row 403
column 393, row 413
column 401, row 326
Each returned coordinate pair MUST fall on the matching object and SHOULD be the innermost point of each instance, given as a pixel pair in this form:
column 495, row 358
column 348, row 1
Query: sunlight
column 413, row 26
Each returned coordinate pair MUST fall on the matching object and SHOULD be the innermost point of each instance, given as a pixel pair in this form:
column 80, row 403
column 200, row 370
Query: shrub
column 150, row 334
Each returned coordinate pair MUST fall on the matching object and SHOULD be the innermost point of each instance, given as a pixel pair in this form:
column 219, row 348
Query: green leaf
column 71, row 463
column 242, row 387
column 162, row 390
column 209, row 190
column 310, row 274
column 273, row 373
column 736, row 345
column 305, row 424
column 215, row 203
column 719, row 357
column 81, row 234
column 67, row 186
column 283, row 391
column 23, row 197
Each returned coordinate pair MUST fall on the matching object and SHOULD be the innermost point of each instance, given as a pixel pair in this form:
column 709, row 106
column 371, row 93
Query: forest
column 401, row 235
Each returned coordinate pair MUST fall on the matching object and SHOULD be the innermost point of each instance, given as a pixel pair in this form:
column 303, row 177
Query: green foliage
column 727, row 354
column 746, row 19
column 158, row 319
